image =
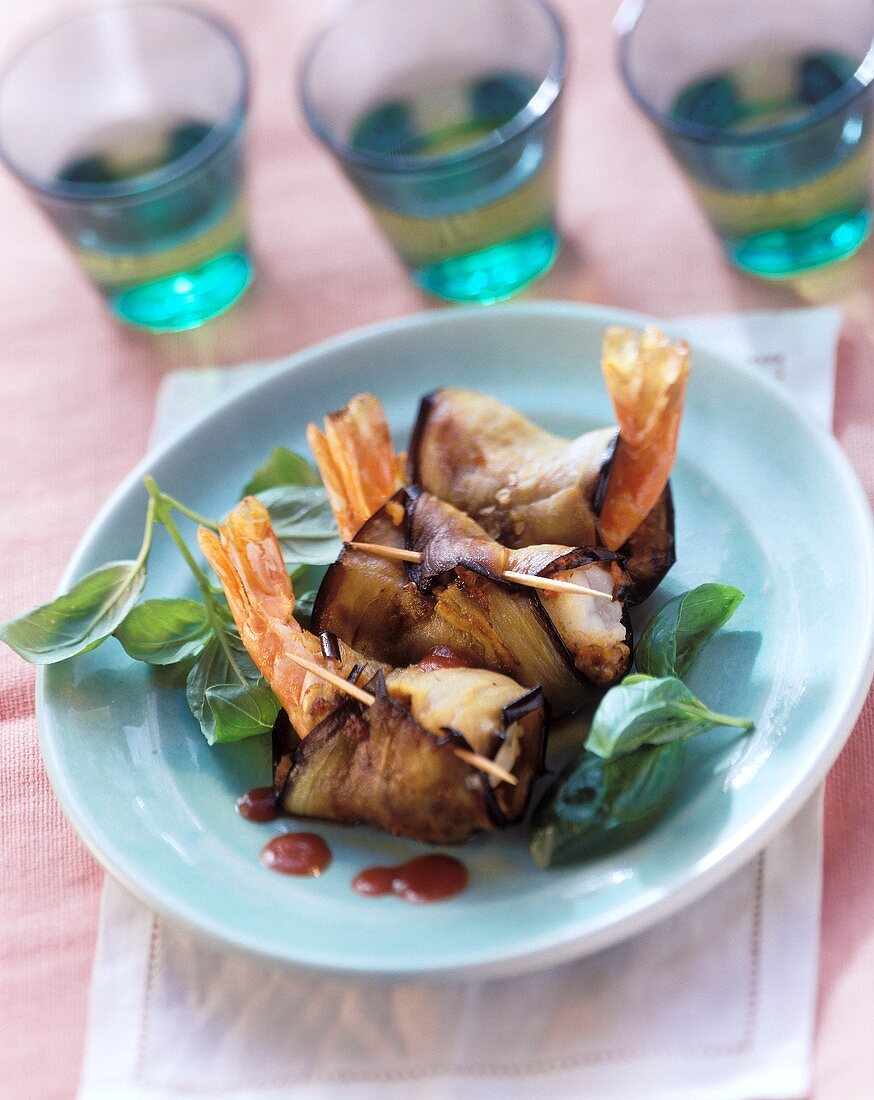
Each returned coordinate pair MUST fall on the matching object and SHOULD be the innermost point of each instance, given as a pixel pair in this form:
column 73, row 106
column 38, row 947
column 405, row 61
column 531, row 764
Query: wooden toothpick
column 485, row 765
column 482, row 763
column 332, row 678
column 547, row 584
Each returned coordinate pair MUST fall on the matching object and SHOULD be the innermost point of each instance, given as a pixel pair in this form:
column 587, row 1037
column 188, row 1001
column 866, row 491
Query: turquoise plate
column 765, row 500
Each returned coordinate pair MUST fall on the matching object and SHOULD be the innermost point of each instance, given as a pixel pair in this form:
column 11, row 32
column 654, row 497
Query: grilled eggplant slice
column 524, row 485
column 456, row 598
column 393, row 765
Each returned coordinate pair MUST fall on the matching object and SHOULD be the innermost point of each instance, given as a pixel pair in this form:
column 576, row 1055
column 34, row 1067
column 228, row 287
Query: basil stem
column 163, row 516
column 178, row 506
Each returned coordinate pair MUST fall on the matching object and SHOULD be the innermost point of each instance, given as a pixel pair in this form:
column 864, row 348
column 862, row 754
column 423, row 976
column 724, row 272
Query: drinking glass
column 126, row 123
column 443, row 114
column 765, row 105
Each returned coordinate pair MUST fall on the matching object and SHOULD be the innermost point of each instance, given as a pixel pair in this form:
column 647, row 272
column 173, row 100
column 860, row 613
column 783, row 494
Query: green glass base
column 781, row 254
column 494, row 273
column 188, row 298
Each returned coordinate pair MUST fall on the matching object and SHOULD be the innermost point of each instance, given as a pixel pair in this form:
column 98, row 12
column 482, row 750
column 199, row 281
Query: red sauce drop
column 426, row 878
column 442, row 656
column 297, row 854
column 375, row 882
column 259, row 804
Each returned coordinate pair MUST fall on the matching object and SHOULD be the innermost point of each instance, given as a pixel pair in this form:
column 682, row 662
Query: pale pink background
column 77, row 391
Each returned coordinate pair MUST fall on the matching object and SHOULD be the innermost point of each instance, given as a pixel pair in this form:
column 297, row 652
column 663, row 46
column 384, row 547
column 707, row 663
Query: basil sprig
column 227, row 694
column 596, row 805
column 650, row 710
column 631, row 765
column 165, row 631
column 283, row 467
column 676, row 634
column 86, row 615
column 304, row 524
column 80, row 619
column 225, row 691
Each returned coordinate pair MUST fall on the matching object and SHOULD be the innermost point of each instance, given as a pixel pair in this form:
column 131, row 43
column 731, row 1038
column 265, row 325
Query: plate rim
column 660, row 902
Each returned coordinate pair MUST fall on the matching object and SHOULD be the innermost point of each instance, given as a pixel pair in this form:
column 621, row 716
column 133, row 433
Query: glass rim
column 854, row 87
column 219, row 135
column 540, row 102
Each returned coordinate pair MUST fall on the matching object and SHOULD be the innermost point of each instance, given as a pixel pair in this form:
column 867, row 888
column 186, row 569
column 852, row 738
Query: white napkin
column 715, row 1003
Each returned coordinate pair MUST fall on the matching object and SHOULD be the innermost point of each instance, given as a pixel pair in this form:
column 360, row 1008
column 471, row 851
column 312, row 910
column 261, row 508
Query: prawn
column 646, row 378
column 526, row 486
column 594, row 632
column 248, row 560
column 435, row 755
column 357, row 461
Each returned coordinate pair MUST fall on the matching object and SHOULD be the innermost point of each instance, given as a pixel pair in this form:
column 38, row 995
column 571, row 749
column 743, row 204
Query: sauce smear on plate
column 259, row 804
column 426, row 878
column 297, row 854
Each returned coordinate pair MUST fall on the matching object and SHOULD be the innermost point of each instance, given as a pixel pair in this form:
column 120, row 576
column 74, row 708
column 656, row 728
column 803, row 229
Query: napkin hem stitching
column 742, row 1046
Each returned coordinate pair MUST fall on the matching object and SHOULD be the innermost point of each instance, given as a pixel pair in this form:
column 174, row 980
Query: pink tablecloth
column 76, row 394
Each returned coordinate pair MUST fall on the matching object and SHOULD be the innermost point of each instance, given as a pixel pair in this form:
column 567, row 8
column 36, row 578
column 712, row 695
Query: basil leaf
column 213, row 669
column 164, row 631
column 241, row 710
column 304, row 524
column 283, row 467
column 597, row 805
column 677, row 632
column 644, row 710
column 81, row 618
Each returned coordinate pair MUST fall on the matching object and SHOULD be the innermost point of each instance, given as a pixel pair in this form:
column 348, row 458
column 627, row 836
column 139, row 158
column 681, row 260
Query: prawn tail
column 248, row 561
column 357, row 461
column 646, row 376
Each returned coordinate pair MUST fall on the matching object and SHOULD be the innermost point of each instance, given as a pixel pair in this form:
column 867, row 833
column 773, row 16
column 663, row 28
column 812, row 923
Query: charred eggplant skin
column 417, row 437
column 467, row 548
column 651, row 550
column 604, row 475
column 376, row 765
column 649, row 553
column 284, row 743
column 388, row 611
